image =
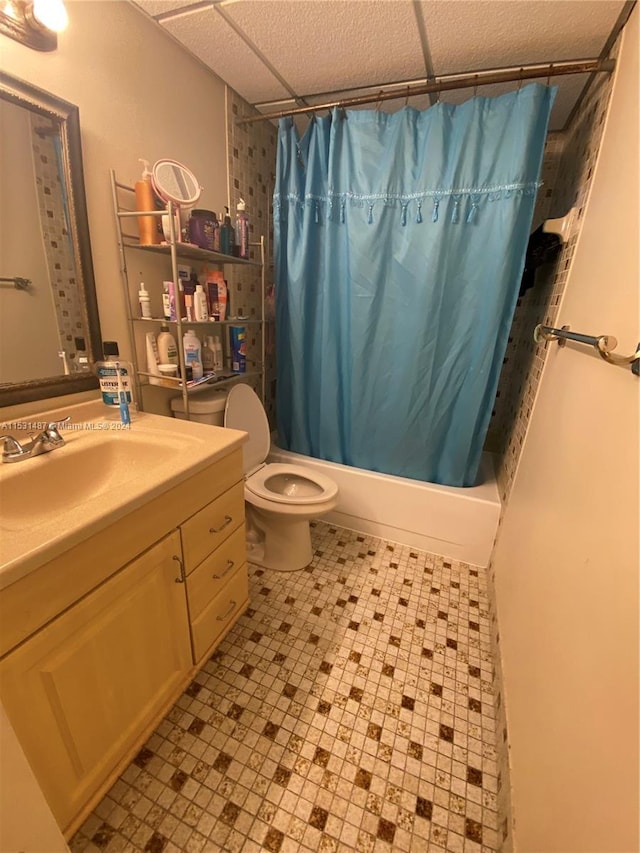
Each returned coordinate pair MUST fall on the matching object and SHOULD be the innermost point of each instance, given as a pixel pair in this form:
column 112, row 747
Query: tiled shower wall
column 568, row 166
column 251, row 163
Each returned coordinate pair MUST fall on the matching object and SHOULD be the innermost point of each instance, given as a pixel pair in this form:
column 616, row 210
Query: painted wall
column 566, row 562
column 140, row 95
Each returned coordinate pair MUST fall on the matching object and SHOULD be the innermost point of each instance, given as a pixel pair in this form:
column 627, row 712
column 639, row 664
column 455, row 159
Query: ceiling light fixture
column 33, row 24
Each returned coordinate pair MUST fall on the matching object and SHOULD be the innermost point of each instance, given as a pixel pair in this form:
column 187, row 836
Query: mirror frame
column 67, row 116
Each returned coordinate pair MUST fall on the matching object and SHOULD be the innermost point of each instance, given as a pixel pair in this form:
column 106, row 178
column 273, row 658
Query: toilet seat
column 291, row 484
column 294, row 485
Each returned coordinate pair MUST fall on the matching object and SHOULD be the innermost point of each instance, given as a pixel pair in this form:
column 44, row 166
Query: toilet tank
column 206, row 407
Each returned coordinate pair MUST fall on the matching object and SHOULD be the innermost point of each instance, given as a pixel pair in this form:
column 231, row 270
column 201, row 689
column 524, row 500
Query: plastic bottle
column 167, row 347
column 153, row 358
column 146, row 200
column 209, row 355
column 193, row 353
column 145, row 301
column 200, row 304
column 242, row 230
column 218, row 364
column 227, row 237
column 238, row 341
column 111, row 384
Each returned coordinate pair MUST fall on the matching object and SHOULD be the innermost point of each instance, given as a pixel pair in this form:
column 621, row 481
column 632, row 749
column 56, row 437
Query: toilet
column 280, row 500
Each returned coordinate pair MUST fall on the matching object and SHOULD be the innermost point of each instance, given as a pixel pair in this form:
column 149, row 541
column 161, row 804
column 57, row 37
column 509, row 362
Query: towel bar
column 603, row 344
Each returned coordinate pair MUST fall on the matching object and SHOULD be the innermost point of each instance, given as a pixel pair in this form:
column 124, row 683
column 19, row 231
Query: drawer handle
column 230, row 565
column 179, row 561
column 228, row 613
column 227, row 521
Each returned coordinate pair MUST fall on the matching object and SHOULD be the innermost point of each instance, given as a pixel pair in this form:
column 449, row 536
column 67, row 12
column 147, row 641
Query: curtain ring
column 549, row 74
column 475, row 86
column 379, row 101
column 520, row 80
column 406, row 100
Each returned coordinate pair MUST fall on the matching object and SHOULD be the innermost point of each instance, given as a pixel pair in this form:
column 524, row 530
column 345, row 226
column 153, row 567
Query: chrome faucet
column 44, row 442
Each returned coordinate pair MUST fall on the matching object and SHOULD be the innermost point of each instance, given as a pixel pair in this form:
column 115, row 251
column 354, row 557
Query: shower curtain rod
column 447, row 82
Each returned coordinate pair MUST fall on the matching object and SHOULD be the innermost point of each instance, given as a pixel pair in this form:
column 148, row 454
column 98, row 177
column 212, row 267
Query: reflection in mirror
column 49, row 328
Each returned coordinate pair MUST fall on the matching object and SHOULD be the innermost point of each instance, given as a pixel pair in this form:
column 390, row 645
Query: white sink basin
column 101, row 474
column 35, row 491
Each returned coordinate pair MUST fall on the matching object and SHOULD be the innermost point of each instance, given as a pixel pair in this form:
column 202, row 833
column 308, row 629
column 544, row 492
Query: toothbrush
column 125, row 417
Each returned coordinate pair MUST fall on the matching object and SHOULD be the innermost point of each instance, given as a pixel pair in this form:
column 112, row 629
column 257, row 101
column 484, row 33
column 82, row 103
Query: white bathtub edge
column 460, row 524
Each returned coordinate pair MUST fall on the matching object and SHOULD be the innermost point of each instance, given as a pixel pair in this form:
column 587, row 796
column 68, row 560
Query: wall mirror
column 49, row 325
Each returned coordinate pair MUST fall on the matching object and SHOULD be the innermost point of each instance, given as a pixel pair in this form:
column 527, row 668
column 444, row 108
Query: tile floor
column 350, row 709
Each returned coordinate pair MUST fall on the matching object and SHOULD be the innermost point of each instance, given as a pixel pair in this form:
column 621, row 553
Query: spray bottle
column 148, row 226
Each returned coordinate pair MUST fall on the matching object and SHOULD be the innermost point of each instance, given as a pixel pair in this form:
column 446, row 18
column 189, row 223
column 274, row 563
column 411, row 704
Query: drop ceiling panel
column 294, row 48
column 472, row 34
column 212, row 40
column 323, row 45
column 159, row 7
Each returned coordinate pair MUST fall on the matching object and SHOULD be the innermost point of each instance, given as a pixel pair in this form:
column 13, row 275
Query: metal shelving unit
column 174, row 251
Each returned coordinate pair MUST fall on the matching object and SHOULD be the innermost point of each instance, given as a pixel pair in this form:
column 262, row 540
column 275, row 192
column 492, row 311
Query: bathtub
column 456, row 523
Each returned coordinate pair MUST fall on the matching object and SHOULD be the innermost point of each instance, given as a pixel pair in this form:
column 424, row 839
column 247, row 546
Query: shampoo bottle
column 167, row 347
column 242, row 231
column 114, row 376
column 146, row 200
column 200, row 304
column 226, row 234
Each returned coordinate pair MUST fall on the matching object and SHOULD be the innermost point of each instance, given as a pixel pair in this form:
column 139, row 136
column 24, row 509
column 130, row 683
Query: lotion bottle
column 146, row 200
column 167, row 347
column 145, row 302
column 200, row 304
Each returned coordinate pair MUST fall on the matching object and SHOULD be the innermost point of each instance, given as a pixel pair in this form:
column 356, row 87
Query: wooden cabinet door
column 82, row 690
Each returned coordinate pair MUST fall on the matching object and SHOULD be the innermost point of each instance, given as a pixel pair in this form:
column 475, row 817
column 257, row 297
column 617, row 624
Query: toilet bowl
column 280, row 500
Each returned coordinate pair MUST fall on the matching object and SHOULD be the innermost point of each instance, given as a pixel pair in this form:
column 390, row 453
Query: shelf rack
column 174, row 250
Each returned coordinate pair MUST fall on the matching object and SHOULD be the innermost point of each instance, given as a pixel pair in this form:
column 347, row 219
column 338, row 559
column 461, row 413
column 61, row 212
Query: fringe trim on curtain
column 470, row 197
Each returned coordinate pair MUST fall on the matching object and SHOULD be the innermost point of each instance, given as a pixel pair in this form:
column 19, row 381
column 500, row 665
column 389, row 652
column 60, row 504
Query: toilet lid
column 245, row 411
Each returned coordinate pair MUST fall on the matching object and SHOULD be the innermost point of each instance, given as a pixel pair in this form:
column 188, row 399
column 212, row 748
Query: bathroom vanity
column 113, row 596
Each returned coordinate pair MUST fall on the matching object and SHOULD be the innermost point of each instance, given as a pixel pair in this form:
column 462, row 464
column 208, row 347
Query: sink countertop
column 52, row 502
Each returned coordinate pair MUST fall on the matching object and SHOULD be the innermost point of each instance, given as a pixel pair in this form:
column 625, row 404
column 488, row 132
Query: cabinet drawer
column 215, row 570
column 220, row 614
column 208, row 528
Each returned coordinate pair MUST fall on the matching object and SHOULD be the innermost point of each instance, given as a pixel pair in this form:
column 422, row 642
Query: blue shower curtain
column 399, row 247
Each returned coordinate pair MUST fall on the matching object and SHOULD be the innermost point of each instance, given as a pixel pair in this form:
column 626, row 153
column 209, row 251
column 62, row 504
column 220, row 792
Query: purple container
column 202, row 228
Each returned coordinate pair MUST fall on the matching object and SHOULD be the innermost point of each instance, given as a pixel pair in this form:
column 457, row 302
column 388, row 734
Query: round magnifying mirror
column 174, row 182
